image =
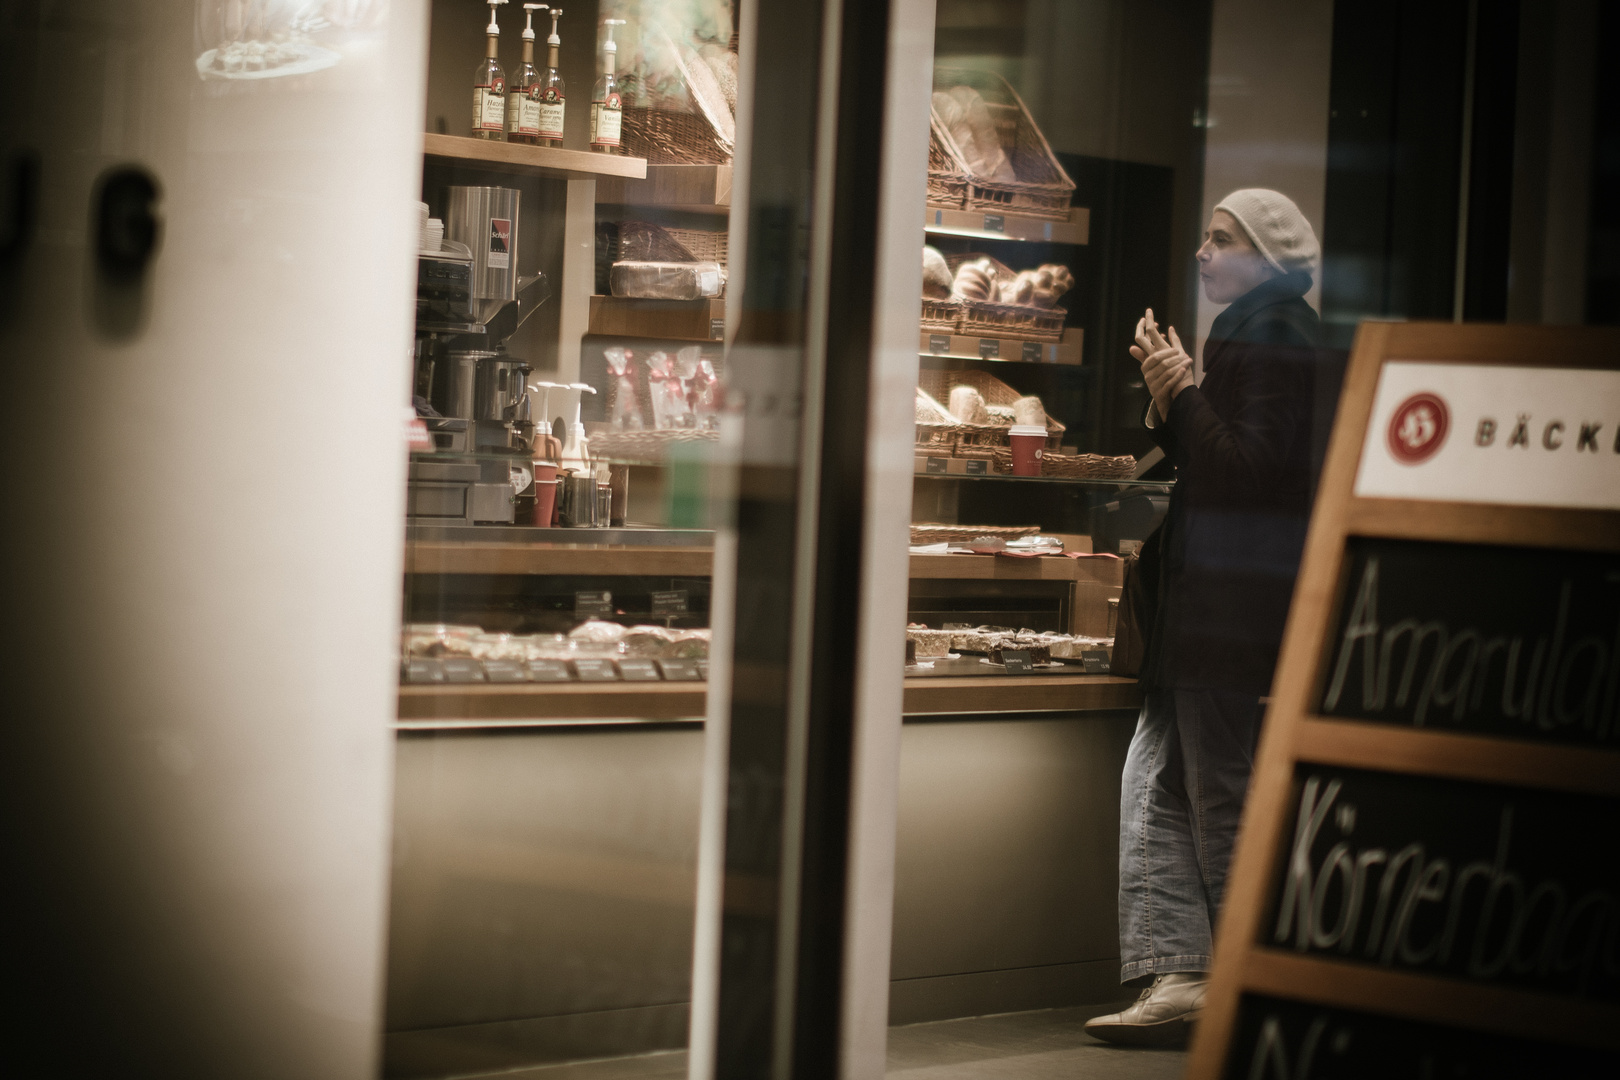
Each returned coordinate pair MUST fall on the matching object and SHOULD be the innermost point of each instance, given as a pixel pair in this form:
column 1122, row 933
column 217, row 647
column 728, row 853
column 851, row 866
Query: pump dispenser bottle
column 523, row 97
column 607, row 109
column 489, row 86
column 551, row 90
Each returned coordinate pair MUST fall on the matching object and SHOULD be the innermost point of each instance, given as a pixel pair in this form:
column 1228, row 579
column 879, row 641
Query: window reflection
column 267, row 39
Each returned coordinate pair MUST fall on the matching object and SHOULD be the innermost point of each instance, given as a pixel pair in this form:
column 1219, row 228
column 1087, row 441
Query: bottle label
column 528, row 117
column 607, row 121
column 489, row 108
column 551, row 114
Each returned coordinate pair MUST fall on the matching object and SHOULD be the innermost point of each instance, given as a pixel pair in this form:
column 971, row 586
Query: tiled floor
column 1028, row 1046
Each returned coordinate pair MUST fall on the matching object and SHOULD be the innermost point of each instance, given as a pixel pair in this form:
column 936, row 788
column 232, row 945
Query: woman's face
column 1228, row 264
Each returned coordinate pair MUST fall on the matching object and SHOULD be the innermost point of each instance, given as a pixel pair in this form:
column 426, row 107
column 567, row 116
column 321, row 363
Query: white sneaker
column 1162, row 1016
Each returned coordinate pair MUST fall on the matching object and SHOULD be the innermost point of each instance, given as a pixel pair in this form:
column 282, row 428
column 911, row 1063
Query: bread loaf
column 937, row 280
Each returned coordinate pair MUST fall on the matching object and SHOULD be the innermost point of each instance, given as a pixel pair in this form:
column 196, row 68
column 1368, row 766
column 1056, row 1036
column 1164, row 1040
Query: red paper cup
column 1028, row 446
column 545, row 500
column 545, row 470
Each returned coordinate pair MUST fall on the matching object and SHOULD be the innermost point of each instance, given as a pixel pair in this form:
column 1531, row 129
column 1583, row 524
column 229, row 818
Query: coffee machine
column 469, row 391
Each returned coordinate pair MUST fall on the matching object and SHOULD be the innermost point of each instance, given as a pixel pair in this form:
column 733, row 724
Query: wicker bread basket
column 936, row 427
column 961, row 534
column 984, row 318
column 645, row 446
column 679, row 130
column 1043, row 189
column 973, row 440
column 1072, row 466
column 941, row 316
column 645, row 241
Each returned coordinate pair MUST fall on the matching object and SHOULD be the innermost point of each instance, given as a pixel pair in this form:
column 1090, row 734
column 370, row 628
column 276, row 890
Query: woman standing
column 1220, row 570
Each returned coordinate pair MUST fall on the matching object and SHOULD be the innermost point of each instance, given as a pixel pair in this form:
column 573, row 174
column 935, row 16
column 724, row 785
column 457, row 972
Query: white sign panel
column 1484, row 433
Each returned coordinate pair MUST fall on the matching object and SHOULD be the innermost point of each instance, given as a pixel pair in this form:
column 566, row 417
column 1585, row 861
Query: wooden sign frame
column 1295, row 734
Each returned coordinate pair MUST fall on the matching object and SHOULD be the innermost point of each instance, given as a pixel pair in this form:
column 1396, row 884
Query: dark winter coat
column 1224, row 560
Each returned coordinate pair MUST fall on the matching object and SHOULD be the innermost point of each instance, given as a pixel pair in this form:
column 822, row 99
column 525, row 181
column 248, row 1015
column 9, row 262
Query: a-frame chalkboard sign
column 1427, row 883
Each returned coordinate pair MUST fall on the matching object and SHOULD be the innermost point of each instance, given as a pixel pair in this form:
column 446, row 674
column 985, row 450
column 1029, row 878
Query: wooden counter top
column 483, row 557
column 991, row 694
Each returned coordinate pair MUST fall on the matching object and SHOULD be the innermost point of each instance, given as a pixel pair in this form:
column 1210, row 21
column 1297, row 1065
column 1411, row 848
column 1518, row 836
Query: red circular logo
column 1418, row 428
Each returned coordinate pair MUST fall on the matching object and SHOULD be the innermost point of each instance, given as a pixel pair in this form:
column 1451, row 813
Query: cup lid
column 1027, row 429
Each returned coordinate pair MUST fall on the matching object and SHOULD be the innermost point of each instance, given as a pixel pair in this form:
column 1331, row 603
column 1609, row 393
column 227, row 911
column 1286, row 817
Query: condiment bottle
column 523, row 96
column 552, row 92
column 607, row 108
column 489, row 86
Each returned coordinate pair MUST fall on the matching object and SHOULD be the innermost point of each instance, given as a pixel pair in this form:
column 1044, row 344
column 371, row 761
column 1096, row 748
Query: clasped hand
column 1166, row 367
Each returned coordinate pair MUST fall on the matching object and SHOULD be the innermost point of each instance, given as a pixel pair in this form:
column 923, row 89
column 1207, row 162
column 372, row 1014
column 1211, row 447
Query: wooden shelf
column 703, row 189
column 446, row 557
column 420, row 705
column 571, row 701
column 970, row 347
column 678, row 320
column 1002, row 568
column 531, row 160
column 991, row 226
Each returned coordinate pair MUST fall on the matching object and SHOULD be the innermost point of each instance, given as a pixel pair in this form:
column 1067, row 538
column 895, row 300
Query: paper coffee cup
column 1028, row 446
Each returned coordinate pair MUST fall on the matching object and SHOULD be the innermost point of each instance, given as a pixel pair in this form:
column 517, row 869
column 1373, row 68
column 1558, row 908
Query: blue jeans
column 1180, row 801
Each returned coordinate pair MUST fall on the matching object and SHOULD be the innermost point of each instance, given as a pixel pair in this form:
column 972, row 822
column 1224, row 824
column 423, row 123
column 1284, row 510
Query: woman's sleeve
column 1248, row 453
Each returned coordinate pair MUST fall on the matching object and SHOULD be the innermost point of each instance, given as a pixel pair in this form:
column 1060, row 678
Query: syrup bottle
column 552, row 93
column 607, row 108
column 523, row 96
column 489, row 86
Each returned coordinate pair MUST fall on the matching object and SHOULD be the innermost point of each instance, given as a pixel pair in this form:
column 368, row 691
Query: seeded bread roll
column 973, row 282
column 1020, row 290
column 1051, row 282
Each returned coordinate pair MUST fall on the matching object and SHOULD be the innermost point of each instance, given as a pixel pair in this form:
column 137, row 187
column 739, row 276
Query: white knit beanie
column 1276, row 227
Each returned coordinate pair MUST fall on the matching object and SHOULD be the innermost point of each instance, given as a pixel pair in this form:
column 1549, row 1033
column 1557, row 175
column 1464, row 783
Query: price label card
column 680, row 670
column 703, row 670
column 1017, row 661
column 639, row 670
column 936, row 466
column 505, row 671
column 995, row 223
column 989, row 347
column 670, row 602
column 596, row 671
column 939, row 344
column 717, row 329
column 422, row 670
column 976, row 467
column 1032, row 351
column 463, row 669
column 588, row 604
column 1094, row 661
column 550, row 671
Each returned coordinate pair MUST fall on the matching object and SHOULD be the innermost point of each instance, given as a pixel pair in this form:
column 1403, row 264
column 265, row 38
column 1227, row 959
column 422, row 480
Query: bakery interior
column 651, row 617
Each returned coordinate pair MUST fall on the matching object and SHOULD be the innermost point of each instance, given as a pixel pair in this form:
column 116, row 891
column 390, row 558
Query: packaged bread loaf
column 967, row 405
column 1029, row 411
